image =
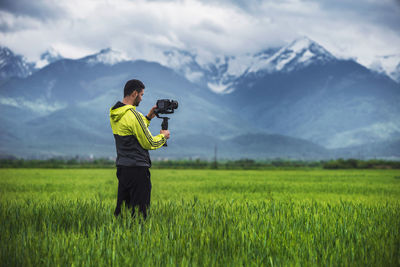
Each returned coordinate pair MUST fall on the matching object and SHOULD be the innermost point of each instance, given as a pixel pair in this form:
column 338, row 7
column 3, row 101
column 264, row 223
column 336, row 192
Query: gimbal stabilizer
column 165, row 106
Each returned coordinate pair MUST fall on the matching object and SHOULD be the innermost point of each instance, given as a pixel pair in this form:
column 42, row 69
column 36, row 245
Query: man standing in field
column 133, row 140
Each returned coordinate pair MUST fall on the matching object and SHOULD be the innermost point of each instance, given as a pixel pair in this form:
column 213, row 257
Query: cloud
column 142, row 29
column 379, row 12
column 40, row 9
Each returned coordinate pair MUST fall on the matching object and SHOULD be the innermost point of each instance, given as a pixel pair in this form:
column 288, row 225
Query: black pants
column 134, row 187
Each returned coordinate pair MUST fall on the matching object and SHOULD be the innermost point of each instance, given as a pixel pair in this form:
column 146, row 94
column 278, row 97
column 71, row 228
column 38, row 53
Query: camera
column 166, row 106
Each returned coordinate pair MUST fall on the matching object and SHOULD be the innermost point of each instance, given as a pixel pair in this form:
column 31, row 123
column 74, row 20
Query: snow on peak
column 5, row 54
column 107, row 56
column 177, row 59
column 50, row 56
column 389, row 65
column 183, row 62
column 299, row 53
column 13, row 65
column 303, row 44
column 300, row 44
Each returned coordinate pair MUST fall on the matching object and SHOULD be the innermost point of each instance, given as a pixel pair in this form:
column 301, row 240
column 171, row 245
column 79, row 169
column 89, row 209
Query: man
column 133, row 140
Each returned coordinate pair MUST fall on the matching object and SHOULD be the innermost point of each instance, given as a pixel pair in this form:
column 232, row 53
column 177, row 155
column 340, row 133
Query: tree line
column 242, row 164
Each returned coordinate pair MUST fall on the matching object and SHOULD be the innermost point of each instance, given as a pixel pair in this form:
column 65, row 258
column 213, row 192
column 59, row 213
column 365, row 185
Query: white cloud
column 142, row 29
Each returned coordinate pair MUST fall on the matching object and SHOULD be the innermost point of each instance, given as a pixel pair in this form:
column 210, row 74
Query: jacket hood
column 118, row 110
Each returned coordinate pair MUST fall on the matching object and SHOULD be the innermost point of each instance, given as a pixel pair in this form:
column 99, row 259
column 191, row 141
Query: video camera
column 165, row 106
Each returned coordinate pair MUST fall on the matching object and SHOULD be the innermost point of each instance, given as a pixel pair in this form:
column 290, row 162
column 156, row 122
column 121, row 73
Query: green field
column 64, row 217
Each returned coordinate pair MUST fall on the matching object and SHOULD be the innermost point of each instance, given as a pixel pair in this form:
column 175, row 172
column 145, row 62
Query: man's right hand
column 165, row 133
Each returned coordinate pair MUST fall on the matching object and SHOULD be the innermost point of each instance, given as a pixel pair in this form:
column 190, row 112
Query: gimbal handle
column 164, row 126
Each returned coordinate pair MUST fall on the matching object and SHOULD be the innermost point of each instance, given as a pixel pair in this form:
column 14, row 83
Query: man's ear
column 134, row 94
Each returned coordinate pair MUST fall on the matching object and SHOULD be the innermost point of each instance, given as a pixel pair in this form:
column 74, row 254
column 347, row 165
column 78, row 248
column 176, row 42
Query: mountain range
column 296, row 101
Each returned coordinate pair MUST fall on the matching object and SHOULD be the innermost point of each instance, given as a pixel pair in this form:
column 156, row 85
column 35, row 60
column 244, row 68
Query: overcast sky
column 359, row 29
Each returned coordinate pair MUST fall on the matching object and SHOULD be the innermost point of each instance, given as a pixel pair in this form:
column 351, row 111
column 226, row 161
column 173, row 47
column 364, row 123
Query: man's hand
column 165, row 133
column 152, row 114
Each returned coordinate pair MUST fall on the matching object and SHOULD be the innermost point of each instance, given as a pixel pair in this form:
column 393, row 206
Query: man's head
column 133, row 92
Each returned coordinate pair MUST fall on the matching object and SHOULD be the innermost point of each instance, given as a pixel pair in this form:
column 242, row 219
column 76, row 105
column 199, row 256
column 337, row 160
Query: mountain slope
column 272, row 146
column 385, row 149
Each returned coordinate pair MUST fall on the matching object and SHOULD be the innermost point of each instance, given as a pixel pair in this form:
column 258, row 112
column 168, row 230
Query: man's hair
column 133, row 85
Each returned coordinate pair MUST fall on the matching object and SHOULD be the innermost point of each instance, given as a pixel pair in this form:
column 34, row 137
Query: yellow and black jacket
column 132, row 136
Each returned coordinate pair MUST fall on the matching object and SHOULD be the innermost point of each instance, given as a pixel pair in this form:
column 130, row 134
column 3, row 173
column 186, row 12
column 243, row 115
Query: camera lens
column 174, row 104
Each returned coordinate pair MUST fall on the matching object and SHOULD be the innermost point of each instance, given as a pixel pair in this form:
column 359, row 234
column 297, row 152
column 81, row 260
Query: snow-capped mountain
column 106, row 56
column 219, row 74
column 332, row 102
column 300, row 53
column 389, row 65
column 222, row 73
column 215, row 74
column 12, row 65
column 48, row 57
column 184, row 63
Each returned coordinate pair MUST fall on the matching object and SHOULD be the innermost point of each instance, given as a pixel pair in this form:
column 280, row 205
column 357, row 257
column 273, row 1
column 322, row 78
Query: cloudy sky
column 360, row 29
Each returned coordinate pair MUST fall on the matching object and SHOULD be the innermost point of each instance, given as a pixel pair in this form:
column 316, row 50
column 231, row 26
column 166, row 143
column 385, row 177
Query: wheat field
column 64, row 217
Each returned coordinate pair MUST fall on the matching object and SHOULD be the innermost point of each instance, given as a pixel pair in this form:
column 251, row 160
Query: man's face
column 137, row 97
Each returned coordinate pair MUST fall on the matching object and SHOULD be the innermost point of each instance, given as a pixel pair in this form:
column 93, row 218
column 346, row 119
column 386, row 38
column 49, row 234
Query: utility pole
column 215, row 165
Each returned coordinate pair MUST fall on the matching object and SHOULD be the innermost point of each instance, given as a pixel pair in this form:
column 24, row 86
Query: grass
column 201, row 218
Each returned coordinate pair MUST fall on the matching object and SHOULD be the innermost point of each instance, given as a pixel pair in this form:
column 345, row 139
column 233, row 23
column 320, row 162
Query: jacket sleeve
column 140, row 130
